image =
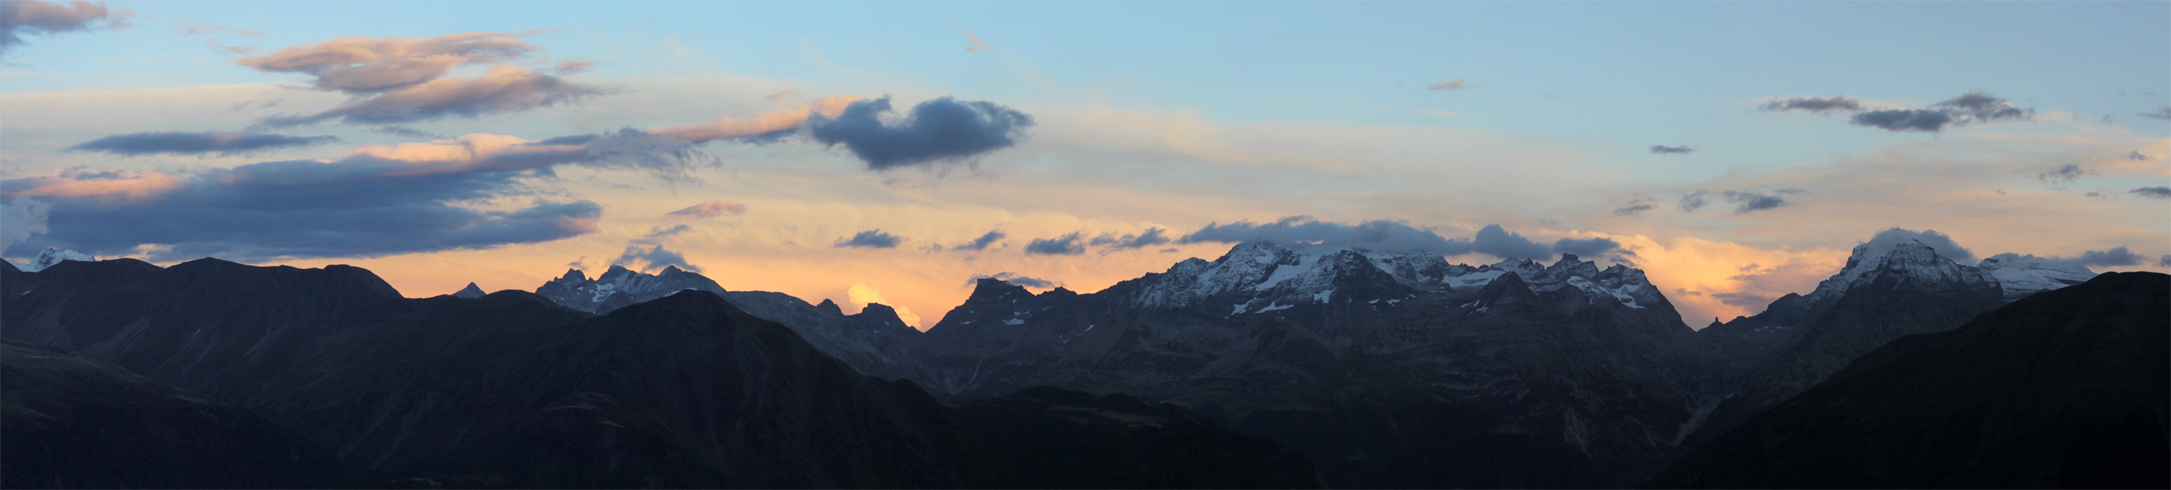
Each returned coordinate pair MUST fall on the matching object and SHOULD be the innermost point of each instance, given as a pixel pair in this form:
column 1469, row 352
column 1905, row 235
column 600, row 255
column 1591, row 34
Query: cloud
column 938, row 130
column 2063, row 175
column 768, row 123
column 572, row 66
column 861, row 295
column 709, row 209
column 1813, row 105
column 1883, row 241
column 359, row 65
column 977, row 46
column 1014, row 278
column 1747, row 201
column 231, row 50
column 503, row 89
column 212, row 29
column 869, row 239
column 1152, row 236
column 1968, row 108
column 2112, row 257
column 1663, row 149
column 1445, row 84
column 1634, row 208
column 2136, row 156
column 378, row 200
column 651, row 259
column 1374, row 235
column 2160, row 113
column 19, row 18
column 1743, row 299
column 189, row 143
column 978, row 244
column 1287, row 230
column 2154, row 192
column 1693, row 201
column 1593, row 247
column 1070, row 244
column 2164, row 261
column 20, row 218
column 1498, row 242
column 405, row 131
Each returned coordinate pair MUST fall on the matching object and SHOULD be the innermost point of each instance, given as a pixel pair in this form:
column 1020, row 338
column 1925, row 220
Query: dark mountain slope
column 2065, row 388
column 72, row 421
column 512, row 389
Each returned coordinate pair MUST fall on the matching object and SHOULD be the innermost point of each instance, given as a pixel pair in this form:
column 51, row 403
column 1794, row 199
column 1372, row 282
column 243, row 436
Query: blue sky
column 1176, row 115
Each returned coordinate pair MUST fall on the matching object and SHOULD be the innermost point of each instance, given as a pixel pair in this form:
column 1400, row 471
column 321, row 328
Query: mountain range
column 1274, row 365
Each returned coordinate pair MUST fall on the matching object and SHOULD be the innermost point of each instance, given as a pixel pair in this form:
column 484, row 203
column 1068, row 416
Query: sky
column 894, row 152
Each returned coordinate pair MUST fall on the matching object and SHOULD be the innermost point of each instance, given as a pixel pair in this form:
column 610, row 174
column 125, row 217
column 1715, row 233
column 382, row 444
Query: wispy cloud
column 1813, row 105
column 976, row 46
column 19, row 18
column 1070, row 244
column 709, row 209
column 2158, row 192
column 1663, row 149
column 1968, row 108
column 1445, row 84
column 875, row 238
column 197, row 143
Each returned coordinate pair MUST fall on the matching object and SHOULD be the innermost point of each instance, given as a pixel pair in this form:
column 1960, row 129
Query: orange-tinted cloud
column 363, row 65
column 709, row 209
column 786, row 119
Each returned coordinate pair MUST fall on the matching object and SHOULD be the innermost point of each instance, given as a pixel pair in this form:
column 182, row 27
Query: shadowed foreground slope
column 512, row 390
column 2067, row 388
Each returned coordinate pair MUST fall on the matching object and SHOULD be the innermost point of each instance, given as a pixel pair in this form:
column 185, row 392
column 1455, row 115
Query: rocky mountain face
column 512, row 389
column 1799, row 340
column 2062, row 389
column 74, row 421
column 54, row 256
column 620, row 287
column 471, row 291
column 1564, row 369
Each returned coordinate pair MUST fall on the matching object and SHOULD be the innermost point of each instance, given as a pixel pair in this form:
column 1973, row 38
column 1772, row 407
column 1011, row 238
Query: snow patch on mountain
column 52, row 256
column 620, row 287
column 2023, row 275
column 1257, row 277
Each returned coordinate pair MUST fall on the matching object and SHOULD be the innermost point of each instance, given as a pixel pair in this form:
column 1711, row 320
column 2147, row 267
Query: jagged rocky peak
column 880, row 318
column 619, row 287
column 2023, row 275
column 830, row 307
column 471, row 291
column 52, row 256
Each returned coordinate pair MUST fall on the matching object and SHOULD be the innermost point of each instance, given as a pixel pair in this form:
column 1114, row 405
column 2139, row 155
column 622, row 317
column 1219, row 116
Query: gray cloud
column 2160, row 113
column 869, row 239
column 1070, row 244
column 1499, row 242
column 2136, row 156
column 938, row 130
column 1743, row 299
column 982, row 243
column 2155, row 192
column 193, row 143
column 1152, row 236
column 2063, row 175
column 1968, row 108
column 1747, row 201
column 2164, row 261
column 1883, row 241
column 404, row 131
column 709, row 209
column 652, row 259
column 1287, row 230
column 1014, row 278
column 1693, row 201
column 1593, row 247
column 29, row 17
column 504, row 89
column 2112, row 257
column 367, row 204
column 1634, row 208
column 1813, row 105
column 1663, row 149
column 20, row 218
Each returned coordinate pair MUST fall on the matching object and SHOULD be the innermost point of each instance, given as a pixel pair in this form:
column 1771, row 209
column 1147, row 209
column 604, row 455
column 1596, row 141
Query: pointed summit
column 471, row 291
column 830, row 307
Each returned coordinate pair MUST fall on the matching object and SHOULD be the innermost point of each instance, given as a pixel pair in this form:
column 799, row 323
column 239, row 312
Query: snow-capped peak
column 52, row 256
column 1912, row 261
column 1257, row 276
column 2023, row 275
